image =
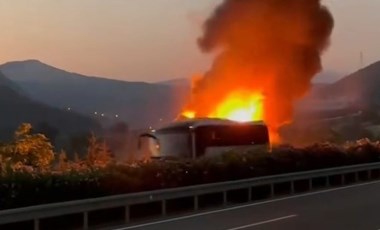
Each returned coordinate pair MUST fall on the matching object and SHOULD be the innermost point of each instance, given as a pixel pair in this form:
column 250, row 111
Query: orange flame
column 188, row 114
column 238, row 106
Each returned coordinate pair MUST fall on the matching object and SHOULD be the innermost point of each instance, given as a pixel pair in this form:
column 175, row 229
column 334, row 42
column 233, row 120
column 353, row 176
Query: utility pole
column 361, row 60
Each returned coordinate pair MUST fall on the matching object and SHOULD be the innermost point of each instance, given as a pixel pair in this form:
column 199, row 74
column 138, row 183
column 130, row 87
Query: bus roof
column 199, row 122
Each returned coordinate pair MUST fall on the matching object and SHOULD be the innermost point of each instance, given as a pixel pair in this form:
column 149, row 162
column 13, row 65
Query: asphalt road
column 354, row 207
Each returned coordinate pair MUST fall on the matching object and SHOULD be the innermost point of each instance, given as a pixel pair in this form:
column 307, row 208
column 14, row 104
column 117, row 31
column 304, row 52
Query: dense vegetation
column 31, row 173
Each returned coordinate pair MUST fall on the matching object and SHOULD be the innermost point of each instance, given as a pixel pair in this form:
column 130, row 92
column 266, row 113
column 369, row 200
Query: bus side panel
column 214, row 140
column 216, row 151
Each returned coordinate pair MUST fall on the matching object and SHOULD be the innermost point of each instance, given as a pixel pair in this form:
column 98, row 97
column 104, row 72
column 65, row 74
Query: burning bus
column 267, row 53
column 194, row 138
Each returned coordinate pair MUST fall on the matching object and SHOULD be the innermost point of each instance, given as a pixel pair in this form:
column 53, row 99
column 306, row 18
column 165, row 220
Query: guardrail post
column 311, row 184
column 36, row 224
column 196, row 205
column 369, row 173
column 127, row 214
column 272, row 190
column 327, row 181
column 225, row 198
column 163, row 207
column 85, row 220
column 292, row 187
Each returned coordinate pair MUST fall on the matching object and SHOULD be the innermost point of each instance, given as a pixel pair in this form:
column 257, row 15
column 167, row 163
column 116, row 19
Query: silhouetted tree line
column 33, row 152
column 115, row 137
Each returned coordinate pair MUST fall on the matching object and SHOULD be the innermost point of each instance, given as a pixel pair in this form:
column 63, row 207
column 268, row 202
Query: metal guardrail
column 36, row 214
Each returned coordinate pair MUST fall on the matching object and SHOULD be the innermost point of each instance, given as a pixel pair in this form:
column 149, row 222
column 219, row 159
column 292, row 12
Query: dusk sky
column 153, row 40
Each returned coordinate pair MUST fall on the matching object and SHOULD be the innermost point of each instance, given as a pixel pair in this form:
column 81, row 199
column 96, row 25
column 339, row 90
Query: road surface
column 355, row 207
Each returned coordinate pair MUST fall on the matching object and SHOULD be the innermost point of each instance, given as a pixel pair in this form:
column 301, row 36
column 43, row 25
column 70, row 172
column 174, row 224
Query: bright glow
column 240, row 106
column 242, row 115
column 189, row 114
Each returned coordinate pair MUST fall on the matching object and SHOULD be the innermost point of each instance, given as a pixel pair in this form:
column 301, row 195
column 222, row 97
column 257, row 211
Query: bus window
column 175, row 144
column 225, row 136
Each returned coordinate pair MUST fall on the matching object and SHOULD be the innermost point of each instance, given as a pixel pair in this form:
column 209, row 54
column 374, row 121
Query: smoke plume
column 270, row 46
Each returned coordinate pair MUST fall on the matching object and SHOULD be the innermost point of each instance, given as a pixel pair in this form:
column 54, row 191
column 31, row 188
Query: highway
column 355, row 207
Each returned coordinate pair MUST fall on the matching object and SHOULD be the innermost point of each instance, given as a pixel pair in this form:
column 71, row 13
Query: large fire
column 267, row 53
column 238, row 106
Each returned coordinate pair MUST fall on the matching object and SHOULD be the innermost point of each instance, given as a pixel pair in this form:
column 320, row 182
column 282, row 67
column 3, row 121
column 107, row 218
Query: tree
column 49, row 131
column 63, row 164
column 78, row 145
column 27, row 149
column 98, row 153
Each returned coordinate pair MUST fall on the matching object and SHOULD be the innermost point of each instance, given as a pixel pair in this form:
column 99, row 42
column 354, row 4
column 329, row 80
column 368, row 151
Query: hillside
column 7, row 83
column 326, row 77
column 359, row 90
column 345, row 110
column 17, row 108
column 137, row 103
column 186, row 82
column 361, row 87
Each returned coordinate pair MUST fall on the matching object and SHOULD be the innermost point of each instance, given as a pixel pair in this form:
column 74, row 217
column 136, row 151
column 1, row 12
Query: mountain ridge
column 17, row 108
column 143, row 104
column 132, row 102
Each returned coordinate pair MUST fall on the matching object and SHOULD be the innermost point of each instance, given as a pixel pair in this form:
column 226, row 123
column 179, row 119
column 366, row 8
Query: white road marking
column 263, row 222
column 246, row 206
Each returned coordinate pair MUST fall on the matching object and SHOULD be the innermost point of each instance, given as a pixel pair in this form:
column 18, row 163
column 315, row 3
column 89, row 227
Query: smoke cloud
column 270, row 46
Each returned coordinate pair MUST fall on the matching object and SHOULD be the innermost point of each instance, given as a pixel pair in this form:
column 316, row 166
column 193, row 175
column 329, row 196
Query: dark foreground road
column 354, row 207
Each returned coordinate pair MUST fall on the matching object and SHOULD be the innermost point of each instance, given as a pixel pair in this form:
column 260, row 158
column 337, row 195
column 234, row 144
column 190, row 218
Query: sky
column 153, row 40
